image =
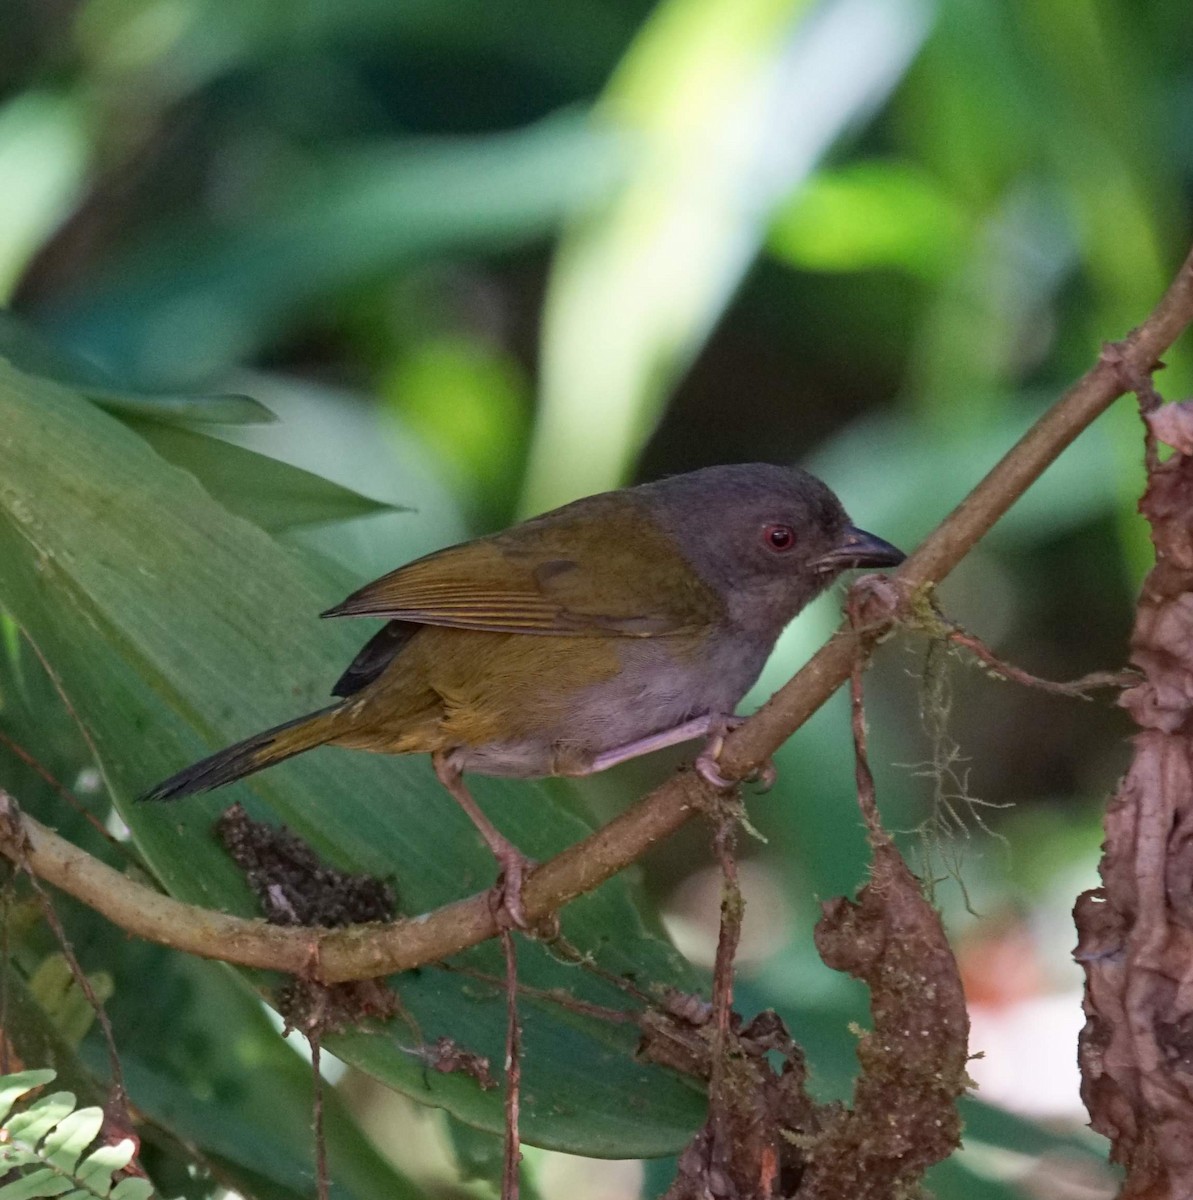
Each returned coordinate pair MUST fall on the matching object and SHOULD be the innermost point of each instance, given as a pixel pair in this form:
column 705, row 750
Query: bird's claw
column 765, row 776
column 708, row 762
column 505, row 897
column 708, row 769
column 505, row 900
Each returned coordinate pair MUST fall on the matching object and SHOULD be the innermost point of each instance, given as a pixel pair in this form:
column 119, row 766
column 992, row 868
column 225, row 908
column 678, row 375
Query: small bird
column 600, row 631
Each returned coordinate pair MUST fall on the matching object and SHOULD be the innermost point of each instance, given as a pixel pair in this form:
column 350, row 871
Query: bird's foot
column 708, row 765
column 764, row 776
column 708, row 762
column 708, row 768
column 505, row 898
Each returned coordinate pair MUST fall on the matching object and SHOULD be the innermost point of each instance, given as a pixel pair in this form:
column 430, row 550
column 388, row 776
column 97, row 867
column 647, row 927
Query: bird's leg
column 696, row 727
column 507, row 896
column 711, row 726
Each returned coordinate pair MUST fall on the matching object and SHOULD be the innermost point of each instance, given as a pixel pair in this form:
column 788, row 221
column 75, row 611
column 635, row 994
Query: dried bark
column 765, row 1137
column 752, row 1147
column 1135, row 932
column 903, row 1117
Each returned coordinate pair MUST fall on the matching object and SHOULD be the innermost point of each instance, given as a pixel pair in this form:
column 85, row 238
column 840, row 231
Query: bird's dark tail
column 252, row 755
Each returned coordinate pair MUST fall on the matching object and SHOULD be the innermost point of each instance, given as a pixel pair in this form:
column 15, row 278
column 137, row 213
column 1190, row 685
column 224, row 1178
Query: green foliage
column 877, row 238
column 44, row 1143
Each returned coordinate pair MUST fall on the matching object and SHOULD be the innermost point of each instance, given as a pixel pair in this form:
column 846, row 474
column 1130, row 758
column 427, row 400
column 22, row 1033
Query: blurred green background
column 482, row 257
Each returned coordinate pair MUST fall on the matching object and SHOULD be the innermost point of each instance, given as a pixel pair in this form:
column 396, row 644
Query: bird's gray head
column 766, row 538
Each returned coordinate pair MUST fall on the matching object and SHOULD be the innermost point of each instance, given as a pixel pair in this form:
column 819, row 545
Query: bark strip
column 1135, row 932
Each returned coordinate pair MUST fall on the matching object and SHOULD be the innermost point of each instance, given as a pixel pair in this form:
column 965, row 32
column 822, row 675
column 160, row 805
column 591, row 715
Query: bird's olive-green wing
column 600, row 567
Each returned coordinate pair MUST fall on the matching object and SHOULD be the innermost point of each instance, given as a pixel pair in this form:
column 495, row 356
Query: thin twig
column 5, row 965
column 322, row 1178
column 117, row 1096
column 720, row 1146
column 363, row 951
column 1076, row 688
column 513, row 1070
column 867, row 799
column 15, row 747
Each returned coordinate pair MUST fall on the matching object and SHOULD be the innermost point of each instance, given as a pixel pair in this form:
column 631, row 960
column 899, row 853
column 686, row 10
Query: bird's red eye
column 779, row 538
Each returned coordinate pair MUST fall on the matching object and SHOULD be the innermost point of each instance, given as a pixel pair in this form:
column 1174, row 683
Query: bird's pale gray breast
column 662, row 684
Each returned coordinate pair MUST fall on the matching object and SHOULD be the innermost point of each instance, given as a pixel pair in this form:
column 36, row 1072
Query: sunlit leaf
column 43, row 161
column 726, row 104
column 865, row 216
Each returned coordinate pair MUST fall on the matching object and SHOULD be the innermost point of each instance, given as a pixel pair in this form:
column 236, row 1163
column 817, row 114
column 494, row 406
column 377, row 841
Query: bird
column 616, row 625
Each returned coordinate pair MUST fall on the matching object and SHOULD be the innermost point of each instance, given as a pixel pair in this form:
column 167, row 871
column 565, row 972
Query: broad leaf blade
column 176, row 627
column 270, row 493
column 29, row 350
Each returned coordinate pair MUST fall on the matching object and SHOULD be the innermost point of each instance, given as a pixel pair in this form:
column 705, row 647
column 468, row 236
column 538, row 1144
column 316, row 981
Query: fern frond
column 43, row 1147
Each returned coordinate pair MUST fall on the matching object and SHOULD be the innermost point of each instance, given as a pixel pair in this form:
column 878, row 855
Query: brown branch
column 367, row 950
column 1117, row 368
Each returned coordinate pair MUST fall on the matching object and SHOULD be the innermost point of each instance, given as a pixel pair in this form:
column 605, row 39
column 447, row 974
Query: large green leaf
column 197, row 1033
column 175, row 627
column 28, row 349
column 272, row 494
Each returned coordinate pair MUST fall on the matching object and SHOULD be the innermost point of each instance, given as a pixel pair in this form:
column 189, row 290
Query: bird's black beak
column 859, row 549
